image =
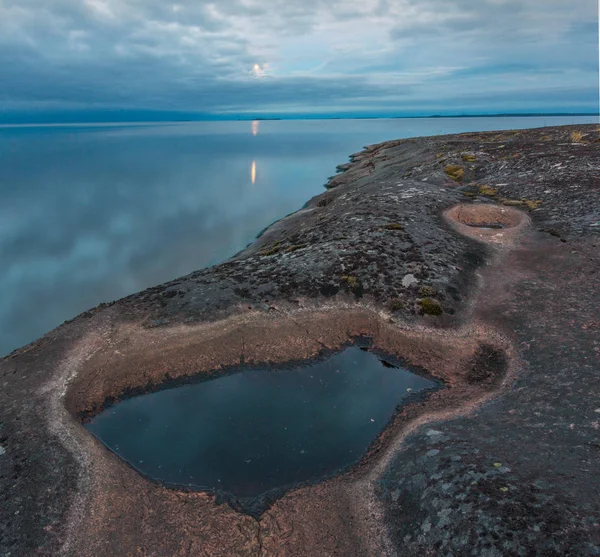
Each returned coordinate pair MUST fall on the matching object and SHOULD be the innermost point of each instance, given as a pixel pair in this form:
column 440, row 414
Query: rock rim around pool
column 250, row 434
column 505, row 314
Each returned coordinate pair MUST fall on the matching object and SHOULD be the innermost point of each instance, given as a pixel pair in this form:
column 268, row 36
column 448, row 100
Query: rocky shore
column 475, row 257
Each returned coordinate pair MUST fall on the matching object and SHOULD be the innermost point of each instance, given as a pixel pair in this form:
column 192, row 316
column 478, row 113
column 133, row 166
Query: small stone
column 433, row 452
column 433, row 432
column 409, row 280
column 2, row 450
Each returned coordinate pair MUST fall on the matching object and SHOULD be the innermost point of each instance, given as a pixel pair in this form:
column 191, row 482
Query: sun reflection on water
column 253, row 172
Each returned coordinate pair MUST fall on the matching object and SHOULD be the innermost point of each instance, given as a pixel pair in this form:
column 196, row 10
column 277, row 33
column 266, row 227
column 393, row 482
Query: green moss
column 487, row 191
column 427, row 291
column 531, row 204
column 271, row 251
column 469, row 158
column 431, row 307
column 352, row 282
column 394, row 226
column 457, row 173
column 511, row 202
column 291, row 249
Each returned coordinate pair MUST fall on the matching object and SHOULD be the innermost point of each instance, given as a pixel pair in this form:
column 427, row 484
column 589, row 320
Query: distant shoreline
column 262, row 119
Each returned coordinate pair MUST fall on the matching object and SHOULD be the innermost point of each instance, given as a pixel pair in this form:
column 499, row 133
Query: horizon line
column 100, row 123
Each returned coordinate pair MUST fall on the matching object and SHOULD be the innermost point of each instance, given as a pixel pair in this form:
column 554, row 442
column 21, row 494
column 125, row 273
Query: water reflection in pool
column 247, row 433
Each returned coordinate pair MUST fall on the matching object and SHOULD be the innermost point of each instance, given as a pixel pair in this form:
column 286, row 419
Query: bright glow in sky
column 314, row 56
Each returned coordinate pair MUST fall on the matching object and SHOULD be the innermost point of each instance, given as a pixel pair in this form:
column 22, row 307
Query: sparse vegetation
column 431, row 307
column 487, row 191
column 576, row 136
column 427, row 291
column 394, row 226
column 531, row 204
column 457, row 173
column 469, row 158
column 396, row 304
column 291, row 249
column 512, row 202
column 271, row 251
column 351, row 281
column 469, row 193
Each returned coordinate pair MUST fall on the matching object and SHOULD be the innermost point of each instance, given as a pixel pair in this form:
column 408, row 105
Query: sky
column 252, row 58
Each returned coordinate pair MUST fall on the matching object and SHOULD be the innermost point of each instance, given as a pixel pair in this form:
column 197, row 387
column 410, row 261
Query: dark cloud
column 314, row 55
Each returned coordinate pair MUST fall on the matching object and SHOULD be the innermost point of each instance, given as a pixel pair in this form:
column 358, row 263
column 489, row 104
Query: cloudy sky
column 277, row 57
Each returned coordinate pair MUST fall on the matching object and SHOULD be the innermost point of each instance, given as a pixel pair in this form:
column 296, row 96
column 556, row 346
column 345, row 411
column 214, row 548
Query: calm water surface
column 91, row 214
column 261, row 429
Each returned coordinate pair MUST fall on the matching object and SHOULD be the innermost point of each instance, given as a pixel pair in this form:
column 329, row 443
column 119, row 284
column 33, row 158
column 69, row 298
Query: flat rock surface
column 505, row 461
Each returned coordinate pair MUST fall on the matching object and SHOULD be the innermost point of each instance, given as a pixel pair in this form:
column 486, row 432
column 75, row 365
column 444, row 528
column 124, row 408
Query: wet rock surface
column 505, row 464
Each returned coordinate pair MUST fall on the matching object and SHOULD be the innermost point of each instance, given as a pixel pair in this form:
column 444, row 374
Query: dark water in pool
column 260, row 429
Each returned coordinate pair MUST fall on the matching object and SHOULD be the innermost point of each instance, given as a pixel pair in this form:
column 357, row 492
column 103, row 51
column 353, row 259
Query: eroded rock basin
column 261, row 430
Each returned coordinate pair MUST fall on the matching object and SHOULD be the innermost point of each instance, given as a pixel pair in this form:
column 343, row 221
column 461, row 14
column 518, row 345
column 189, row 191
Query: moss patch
column 431, row 307
column 427, row 291
column 291, row 249
column 511, row 202
column 352, row 282
column 487, row 191
column 271, row 251
column 457, row 173
column 531, row 204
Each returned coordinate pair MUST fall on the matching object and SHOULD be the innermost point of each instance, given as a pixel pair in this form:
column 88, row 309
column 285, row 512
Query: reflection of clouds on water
column 259, row 429
column 97, row 220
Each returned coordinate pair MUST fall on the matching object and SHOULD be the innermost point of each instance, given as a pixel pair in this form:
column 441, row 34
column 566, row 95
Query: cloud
column 312, row 56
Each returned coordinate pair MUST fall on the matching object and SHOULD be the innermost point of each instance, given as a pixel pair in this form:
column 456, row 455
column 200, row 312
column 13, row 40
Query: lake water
column 251, row 432
column 91, row 214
